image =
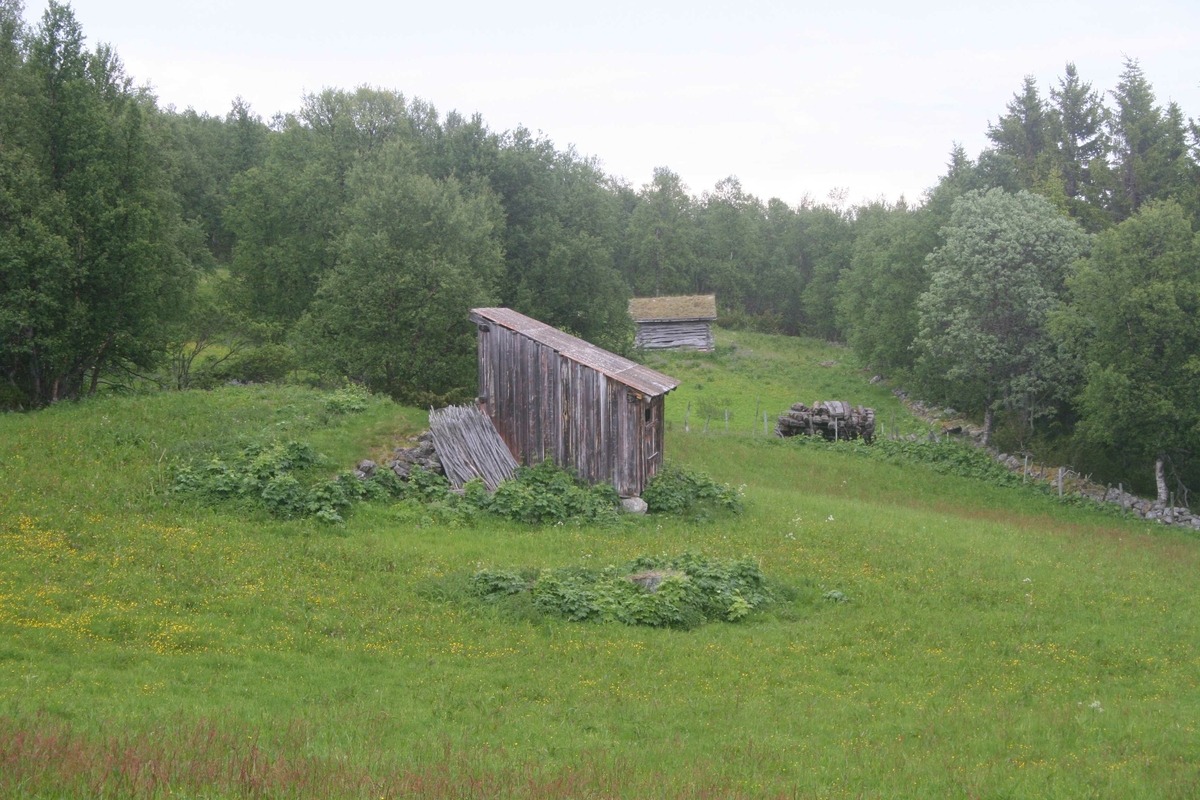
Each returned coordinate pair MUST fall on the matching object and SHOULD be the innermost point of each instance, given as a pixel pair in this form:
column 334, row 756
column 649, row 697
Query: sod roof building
column 674, row 323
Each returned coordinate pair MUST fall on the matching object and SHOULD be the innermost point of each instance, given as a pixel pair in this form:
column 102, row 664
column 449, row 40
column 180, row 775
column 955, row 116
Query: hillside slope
column 993, row 642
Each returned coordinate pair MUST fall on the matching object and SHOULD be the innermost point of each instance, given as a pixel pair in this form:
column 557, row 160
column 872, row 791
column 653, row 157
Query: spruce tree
column 1137, row 131
column 1024, row 132
column 1078, row 126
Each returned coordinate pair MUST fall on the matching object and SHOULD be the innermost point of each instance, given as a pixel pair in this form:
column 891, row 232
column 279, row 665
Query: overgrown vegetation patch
column 273, row 477
column 545, row 494
column 284, row 479
column 683, row 591
column 675, row 490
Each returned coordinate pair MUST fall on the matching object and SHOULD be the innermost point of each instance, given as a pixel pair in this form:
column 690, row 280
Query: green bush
column 325, row 500
column 278, row 478
column 12, row 398
column 494, row 585
column 351, row 399
column 683, row 591
column 384, row 484
column 266, row 363
column 283, row 496
column 945, row 456
column 268, row 476
column 546, row 494
column 674, row 490
column 429, row 486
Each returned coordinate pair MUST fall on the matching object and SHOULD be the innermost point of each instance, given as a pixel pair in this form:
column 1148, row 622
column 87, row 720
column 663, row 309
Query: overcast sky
column 793, row 98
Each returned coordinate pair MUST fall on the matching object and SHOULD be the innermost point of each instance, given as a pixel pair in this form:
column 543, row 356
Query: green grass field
column 995, row 643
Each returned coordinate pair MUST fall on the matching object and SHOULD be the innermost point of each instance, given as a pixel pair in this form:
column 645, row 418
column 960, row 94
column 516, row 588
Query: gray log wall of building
column 546, row 406
column 675, row 335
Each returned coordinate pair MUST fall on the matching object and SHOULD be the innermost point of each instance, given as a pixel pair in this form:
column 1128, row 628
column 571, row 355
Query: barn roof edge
column 619, row 368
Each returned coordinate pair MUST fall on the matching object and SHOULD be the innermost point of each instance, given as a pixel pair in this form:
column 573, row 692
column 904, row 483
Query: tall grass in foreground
column 42, row 757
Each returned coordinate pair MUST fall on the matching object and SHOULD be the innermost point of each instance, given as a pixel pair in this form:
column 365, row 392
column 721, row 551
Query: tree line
column 1047, row 284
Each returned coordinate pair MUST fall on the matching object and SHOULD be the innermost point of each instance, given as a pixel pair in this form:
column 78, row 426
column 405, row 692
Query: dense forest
column 1051, row 284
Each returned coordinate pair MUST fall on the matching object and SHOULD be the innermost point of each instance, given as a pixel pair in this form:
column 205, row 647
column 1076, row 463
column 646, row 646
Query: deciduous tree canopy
column 1134, row 322
column 146, row 244
column 993, row 285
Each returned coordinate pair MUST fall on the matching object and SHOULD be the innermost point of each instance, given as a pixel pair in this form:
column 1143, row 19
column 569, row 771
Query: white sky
column 793, row 98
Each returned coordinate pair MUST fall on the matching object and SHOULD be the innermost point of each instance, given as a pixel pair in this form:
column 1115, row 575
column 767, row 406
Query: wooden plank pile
column 833, row 419
column 469, row 446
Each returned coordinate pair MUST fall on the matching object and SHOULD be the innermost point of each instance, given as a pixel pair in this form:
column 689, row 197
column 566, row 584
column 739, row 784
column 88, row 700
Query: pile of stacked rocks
column 422, row 454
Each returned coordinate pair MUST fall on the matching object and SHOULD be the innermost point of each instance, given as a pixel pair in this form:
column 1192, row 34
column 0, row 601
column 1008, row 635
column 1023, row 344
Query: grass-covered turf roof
column 663, row 309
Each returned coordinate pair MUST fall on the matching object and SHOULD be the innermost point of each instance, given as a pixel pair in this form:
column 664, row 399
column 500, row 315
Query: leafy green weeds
column 272, row 478
column 676, row 490
column 350, row 399
column 683, row 592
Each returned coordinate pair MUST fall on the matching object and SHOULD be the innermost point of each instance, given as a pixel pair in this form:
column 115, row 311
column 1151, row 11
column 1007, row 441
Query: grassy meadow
column 993, row 644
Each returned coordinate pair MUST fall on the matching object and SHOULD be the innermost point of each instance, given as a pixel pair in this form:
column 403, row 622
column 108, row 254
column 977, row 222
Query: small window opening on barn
column 649, row 414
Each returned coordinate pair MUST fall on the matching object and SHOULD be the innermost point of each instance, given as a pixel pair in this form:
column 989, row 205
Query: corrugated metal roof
column 662, row 309
column 630, row 373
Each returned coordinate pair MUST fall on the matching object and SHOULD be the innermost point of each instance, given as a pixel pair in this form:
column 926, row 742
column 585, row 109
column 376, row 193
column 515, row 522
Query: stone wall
column 1072, row 482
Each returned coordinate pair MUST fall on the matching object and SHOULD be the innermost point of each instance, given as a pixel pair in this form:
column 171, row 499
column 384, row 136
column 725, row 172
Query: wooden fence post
column 687, row 414
column 1025, row 471
column 1060, row 470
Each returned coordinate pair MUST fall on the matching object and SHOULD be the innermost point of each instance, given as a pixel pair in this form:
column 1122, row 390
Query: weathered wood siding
column 675, row 335
column 546, row 406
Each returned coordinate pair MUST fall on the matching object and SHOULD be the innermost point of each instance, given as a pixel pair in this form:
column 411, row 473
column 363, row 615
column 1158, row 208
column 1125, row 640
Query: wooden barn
column 674, row 323
column 554, row 396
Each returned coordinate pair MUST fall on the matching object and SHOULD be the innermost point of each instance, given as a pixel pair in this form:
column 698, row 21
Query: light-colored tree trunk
column 989, row 417
column 1160, row 477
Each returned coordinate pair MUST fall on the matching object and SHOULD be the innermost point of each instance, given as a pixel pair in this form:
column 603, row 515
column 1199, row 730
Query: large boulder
column 634, row 505
column 652, row 578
